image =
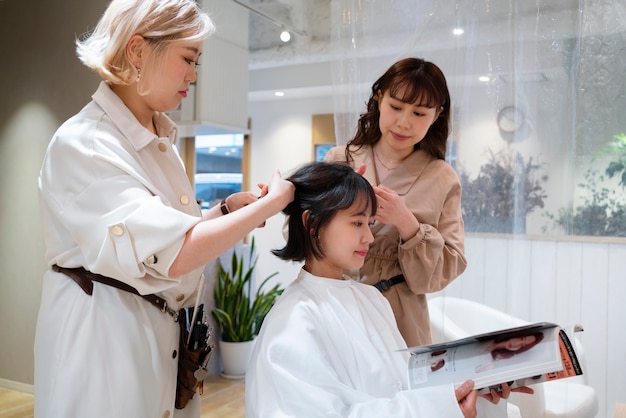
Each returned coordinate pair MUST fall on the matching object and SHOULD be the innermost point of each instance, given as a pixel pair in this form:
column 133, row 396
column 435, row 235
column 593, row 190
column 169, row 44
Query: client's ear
column 305, row 217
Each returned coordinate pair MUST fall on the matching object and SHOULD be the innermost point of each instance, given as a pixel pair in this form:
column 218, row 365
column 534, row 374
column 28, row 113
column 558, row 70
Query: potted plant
column 238, row 311
column 603, row 209
column 505, row 190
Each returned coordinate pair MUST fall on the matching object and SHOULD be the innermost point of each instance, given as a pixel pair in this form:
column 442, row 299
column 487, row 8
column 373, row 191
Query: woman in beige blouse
column 419, row 236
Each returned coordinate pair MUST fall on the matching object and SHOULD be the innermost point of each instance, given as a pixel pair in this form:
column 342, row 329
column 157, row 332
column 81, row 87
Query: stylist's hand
column 466, row 397
column 279, row 188
column 284, row 188
column 393, row 211
column 240, row 199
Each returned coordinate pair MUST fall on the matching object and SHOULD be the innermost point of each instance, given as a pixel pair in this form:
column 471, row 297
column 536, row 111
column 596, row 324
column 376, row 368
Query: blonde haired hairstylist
column 115, row 199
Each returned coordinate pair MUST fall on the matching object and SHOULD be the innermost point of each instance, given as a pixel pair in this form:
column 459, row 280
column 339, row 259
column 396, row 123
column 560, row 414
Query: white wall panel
column 616, row 329
column 518, row 272
column 565, row 282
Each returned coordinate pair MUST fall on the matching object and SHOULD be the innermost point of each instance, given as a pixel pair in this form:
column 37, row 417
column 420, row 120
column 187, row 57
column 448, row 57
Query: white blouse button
column 184, row 199
column 162, row 147
column 166, row 414
column 152, row 259
column 117, row 230
column 180, row 297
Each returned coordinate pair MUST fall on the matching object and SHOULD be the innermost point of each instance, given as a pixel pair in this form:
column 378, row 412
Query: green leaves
column 601, row 208
column 239, row 316
column 601, row 212
column 616, row 149
column 506, row 187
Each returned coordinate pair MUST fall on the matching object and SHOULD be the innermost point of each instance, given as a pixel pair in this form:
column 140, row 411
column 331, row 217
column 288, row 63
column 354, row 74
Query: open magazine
column 520, row 356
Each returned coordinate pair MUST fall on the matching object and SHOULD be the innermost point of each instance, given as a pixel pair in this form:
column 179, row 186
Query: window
column 218, row 167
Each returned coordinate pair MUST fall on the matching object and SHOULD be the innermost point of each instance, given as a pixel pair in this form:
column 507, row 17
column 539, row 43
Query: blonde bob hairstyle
column 160, row 22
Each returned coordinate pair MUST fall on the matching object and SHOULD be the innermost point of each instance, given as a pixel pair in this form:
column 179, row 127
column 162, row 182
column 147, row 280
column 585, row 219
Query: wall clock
column 510, row 119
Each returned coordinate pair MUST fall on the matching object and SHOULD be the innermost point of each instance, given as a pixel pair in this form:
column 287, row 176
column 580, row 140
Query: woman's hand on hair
column 278, row 186
column 393, row 211
column 264, row 189
column 281, row 188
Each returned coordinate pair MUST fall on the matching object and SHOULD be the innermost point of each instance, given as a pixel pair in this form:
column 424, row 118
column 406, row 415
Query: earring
column 138, row 75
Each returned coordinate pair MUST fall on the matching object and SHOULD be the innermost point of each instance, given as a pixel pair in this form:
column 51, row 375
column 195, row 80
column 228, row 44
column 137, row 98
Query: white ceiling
column 277, row 65
column 314, row 18
column 310, row 17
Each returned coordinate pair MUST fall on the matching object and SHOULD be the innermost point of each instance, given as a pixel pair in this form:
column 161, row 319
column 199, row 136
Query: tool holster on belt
column 191, row 368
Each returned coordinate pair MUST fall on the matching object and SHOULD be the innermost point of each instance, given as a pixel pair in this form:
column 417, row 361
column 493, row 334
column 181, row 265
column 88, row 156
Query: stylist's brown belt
column 85, row 278
column 386, row 284
column 191, row 363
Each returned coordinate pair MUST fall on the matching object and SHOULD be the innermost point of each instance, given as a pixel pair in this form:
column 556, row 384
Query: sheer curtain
column 545, row 222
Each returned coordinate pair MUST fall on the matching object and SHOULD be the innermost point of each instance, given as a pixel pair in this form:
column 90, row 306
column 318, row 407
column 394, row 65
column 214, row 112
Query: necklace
column 381, row 161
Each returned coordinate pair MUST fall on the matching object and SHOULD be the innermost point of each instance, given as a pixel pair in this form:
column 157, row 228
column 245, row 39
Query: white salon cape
column 328, row 349
column 114, row 199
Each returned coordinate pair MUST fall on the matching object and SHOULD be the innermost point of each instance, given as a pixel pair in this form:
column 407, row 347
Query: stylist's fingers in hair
column 466, row 397
column 361, row 170
column 281, row 187
column 263, row 188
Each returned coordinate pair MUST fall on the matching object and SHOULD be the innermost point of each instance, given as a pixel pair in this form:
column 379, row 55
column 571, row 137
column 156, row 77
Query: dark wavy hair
column 322, row 189
column 423, row 83
column 503, row 353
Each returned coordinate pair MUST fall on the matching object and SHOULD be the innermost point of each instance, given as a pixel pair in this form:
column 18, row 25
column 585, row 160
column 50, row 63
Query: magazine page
column 571, row 365
column 488, row 359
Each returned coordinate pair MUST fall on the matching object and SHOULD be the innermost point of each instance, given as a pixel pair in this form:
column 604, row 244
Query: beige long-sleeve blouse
column 434, row 256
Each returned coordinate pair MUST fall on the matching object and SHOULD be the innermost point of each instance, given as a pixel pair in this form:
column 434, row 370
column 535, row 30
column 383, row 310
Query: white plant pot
column 235, row 358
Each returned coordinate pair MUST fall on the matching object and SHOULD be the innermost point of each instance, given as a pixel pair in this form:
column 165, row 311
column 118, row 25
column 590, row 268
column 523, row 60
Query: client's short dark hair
column 323, row 189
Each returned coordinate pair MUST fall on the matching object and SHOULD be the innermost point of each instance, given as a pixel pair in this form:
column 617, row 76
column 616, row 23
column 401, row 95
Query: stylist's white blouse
column 114, row 199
